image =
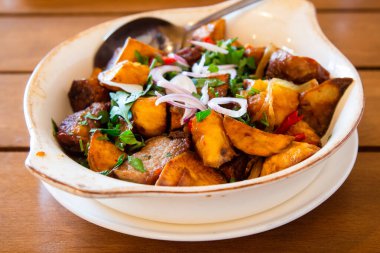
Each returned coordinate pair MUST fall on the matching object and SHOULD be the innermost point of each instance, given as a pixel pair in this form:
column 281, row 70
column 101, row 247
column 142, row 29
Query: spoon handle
column 221, row 13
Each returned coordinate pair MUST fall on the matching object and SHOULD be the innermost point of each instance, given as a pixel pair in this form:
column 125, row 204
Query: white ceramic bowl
column 290, row 23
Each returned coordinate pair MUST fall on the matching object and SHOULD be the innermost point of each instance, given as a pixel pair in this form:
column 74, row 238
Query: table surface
column 32, row 221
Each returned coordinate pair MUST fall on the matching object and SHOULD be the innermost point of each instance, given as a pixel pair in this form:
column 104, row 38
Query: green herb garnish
column 136, row 163
column 127, row 137
column 264, row 120
column 120, row 161
column 253, row 91
column 54, row 127
column 81, row 145
column 103, row 116
column 141, row 59
column 196, row 95
column 213, row 68
column 211, row 82
column 239, row 96
column 202, row 115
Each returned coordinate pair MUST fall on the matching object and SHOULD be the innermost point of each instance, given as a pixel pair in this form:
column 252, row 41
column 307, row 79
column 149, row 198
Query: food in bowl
column 214, row 112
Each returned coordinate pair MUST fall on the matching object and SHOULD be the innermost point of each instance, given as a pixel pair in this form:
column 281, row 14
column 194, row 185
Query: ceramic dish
column 289, row 23
column 328, row 181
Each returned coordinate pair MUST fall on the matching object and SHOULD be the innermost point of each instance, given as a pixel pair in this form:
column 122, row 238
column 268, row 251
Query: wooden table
column 32, row 221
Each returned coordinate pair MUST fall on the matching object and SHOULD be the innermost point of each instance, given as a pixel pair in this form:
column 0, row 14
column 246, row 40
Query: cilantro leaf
column 141, row 59
column 211, row 82
column 213, row 68
column 202, row 115
column 127, row 137
column 136, row 163
column 54, row 127
column 264, row 120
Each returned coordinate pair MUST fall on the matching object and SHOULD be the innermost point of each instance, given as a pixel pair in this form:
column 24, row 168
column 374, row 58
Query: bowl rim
column 152, row 189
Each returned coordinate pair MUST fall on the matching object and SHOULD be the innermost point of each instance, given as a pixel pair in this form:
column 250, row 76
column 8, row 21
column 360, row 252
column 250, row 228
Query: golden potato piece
column 215, row 30
column 102, row 154
column 302, row 127
column 285, row 101
column 157, row 152
column 254, row 141
column 187, row 169
column 211, row 141
column 318, row 104
column 149, row 119
column 256, row 52
column 131, row 45
column 297, row 152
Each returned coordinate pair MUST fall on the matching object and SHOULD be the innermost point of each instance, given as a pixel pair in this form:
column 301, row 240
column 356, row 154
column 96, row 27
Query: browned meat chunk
column 157, row 152
column 73, row 133
column 190, row 54
column 256, row 52
column 235, row 170
column 294, row 68
column 85, row 92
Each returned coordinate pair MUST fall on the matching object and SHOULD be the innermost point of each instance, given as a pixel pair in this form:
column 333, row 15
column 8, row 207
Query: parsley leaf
column 202, row 115
column 239, row 96
column 102, row 116
column 81, row 145
column 136, row 163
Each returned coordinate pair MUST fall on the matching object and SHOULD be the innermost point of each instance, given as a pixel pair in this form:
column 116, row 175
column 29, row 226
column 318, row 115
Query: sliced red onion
column 172, row 88
column 205, row 97
column 216, row 102
column 158, row 72
column 188, row 100
column 179, row 59
column 106, row 77
column 184, row 82
column 209, row 46
column 197, row 68
column 188, row 114
column 197, row 75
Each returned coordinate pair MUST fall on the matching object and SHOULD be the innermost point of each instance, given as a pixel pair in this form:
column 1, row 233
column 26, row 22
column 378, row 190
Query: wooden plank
column 26, row 40
column 125, row 6
column 12, row 87
column 32, row 221
column 369, row 126
column 13, row 130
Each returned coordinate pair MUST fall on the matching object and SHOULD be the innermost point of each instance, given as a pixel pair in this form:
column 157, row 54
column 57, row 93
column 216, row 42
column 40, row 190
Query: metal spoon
column 156, row 32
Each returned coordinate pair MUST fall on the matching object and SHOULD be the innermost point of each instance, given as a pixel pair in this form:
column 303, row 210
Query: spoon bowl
column 157, row 32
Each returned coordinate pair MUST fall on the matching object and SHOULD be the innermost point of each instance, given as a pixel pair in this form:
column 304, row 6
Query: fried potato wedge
column 211, row 142
column 148, row 118
column 296, row 153
column 102, row 154
column 256, row 52
column 302, row 127
column 157, row 152
column 318, row 104
column 215, row 30
column 285, row 101
column 253, row 141
column 127, row 72
column 187, row 169
column 131, row 45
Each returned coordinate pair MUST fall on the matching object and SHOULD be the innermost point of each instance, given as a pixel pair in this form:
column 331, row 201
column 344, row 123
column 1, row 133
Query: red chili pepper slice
column 299, row 137
column 208, row 40
column 289, row 121
column 168, row 60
